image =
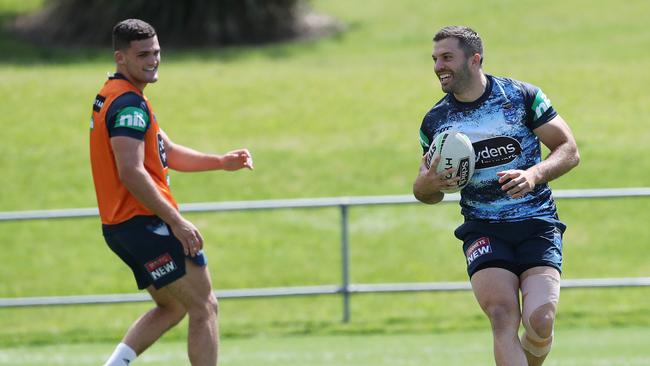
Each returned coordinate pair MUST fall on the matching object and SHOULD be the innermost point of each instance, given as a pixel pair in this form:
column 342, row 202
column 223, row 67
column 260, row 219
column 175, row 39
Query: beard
column 460, row 82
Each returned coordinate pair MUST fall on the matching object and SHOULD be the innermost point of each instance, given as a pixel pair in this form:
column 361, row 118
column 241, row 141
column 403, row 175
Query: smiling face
column 139, row 62
column 453, row 68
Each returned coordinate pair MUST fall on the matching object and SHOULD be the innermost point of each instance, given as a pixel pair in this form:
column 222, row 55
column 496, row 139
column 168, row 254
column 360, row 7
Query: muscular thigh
column 496, row 287
column 193, row 289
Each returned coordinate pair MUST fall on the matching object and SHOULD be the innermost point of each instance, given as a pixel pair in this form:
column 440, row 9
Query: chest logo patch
column 496, row 151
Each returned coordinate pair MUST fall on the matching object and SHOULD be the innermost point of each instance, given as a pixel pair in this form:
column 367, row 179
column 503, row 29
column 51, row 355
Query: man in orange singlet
column 130, row 157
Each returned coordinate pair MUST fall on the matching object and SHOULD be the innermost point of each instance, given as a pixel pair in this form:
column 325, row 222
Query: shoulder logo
column 541, row 104
column 132, row 117
column 98, row 103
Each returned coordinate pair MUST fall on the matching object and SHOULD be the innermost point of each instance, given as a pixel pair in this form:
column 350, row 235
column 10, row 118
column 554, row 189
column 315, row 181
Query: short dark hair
column 131, row 30
column 470, row 42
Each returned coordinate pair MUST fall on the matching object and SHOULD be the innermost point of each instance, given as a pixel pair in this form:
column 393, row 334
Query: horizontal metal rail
column 345, row 288
column 144, row 296
column 312, row 203
column 307, row 291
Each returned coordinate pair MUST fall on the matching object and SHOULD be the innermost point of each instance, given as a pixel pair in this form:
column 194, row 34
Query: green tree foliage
column 181, row 23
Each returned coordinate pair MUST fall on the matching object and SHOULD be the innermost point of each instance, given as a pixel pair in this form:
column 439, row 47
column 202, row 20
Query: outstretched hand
column 237, row 159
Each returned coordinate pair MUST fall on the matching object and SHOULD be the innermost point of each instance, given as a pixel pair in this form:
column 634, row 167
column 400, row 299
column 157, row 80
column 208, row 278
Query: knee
column 538, row 336
column 213, row 305
column 503, row 316
column 175, row 313
column 208, row 308
column 541, row 321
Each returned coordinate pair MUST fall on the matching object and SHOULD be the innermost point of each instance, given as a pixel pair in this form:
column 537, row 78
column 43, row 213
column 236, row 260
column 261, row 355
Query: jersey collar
column 477, row 102
column 117, row 76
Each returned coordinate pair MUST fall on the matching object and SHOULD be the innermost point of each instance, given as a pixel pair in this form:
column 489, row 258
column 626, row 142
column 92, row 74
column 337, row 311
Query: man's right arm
column 129, row 158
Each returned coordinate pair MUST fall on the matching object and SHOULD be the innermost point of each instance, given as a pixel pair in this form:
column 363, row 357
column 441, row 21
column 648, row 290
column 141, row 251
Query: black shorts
column 514, row 246
column 148, row 246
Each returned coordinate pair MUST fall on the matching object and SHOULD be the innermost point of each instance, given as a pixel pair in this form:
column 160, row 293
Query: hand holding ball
column 456, row 152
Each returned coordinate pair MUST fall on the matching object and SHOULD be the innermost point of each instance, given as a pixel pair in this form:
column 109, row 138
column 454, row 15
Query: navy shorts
column 514, row 246
column 148, row 246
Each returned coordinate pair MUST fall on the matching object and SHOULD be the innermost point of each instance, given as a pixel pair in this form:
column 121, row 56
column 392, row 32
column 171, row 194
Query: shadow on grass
column 15, row 50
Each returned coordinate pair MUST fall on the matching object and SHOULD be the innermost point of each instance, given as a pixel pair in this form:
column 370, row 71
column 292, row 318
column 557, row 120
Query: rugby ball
column 456, row 151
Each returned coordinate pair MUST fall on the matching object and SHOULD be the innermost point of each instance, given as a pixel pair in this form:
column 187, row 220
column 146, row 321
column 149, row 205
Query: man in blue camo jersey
column 512, row 236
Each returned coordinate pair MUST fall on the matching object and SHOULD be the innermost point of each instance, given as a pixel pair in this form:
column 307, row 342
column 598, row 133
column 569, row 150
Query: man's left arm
column 564, row 156
column 185, row 159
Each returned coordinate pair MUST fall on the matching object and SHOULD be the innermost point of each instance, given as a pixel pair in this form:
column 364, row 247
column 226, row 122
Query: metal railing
column 345, row 289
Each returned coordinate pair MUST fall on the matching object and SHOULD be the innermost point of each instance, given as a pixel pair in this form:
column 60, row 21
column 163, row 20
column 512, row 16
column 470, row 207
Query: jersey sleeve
column 424, row 141
column 539, row 109
column 429, row 123
column 128, row 115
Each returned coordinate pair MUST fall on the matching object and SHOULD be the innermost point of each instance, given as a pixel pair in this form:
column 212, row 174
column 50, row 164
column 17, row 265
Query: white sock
column 122, row 356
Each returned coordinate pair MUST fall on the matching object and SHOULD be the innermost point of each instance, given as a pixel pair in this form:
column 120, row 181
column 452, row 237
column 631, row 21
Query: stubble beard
column 460, row 83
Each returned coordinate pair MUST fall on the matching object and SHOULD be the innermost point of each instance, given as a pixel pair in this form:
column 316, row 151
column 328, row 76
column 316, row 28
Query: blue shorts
column 148, row 246
column 514, row 246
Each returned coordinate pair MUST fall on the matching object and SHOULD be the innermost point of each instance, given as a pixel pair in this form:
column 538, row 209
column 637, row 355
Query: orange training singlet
column 116, row 203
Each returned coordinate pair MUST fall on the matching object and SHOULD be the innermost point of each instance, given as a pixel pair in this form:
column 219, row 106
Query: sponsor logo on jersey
column 132, row 117
column 99, row 103
column 162, row 153
column 541, row 104
column 443, row 129
column 478, row 248
column 496, row 151
column 161, row 266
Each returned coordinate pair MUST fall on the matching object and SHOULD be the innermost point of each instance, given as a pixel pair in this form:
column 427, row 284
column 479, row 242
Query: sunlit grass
column 333, row 117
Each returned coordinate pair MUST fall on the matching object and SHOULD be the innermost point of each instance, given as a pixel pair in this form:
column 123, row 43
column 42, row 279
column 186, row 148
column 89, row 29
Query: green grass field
column 333, row 117
column 575, row 347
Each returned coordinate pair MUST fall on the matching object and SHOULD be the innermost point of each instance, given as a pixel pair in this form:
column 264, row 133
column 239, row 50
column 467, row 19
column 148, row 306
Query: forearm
column 184, row 159
column 561, row 160
column 142, row 187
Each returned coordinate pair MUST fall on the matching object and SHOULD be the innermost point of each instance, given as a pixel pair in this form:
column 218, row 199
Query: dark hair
column 470, row 42
column 131, row 30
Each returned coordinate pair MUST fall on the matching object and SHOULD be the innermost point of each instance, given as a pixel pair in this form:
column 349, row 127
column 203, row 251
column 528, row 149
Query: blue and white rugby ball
column 456, row 151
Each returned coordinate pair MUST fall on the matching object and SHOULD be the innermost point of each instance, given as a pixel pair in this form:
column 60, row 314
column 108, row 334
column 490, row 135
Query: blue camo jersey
column 500, row 126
